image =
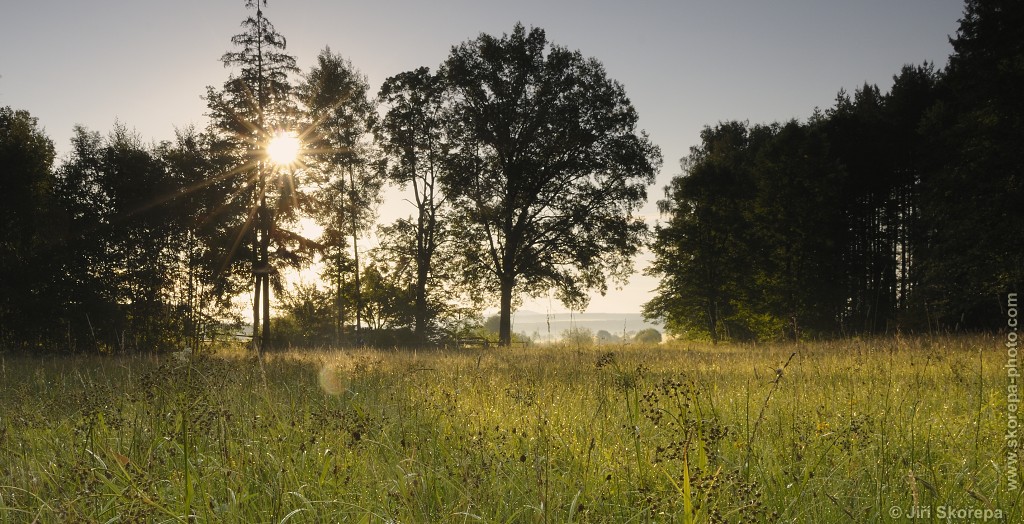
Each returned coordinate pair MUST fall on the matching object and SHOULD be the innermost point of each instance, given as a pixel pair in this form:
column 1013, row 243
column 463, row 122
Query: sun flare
column 283, row 148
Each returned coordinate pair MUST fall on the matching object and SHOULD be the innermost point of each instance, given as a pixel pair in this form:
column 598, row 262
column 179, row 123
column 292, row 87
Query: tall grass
column 843, row 431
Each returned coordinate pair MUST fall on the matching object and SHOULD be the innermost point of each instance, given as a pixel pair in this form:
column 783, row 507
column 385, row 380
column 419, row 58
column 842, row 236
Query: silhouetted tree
column 208, row 220
column 703, row 252
column 248, row 111
column 888, row 211
column 550, row 167
column 414, row 136
column 970, row 201
column 118, row 243
column 799, row 229
column 337, row 99
column 26, row 203
column 306, row 317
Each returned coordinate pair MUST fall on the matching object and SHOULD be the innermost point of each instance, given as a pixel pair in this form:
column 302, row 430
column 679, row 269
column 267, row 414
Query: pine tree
column 249, row 109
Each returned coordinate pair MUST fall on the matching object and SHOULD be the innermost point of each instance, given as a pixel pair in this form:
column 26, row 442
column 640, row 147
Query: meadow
column 846, row 431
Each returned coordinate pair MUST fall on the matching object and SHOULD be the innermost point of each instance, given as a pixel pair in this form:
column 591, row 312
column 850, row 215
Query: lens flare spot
column 332, row 381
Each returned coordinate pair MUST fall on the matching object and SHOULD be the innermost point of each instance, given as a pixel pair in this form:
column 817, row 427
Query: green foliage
column 889, row 211
column 492, row 324
column 578, row 337
column 26, row 212
column 604, row 337
column 305, row 318
column 337, row 101
column 251, row 108
column 972, row 249
column 414, row 136
column 122, row 237
column 647, row 336
column 549, row 168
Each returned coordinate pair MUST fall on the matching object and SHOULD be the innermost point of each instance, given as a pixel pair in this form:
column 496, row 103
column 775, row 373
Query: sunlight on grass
column 684, row 433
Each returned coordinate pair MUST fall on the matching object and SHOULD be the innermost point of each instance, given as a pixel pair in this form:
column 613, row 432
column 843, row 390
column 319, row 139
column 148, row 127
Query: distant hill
column 544, row 327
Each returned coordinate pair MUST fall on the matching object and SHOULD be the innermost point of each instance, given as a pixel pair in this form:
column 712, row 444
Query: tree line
column 887, row 212
column 521, row 157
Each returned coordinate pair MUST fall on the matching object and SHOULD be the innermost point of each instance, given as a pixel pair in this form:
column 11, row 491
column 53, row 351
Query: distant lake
column 544, row 327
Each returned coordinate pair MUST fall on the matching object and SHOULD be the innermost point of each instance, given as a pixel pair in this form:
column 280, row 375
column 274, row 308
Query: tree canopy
column 550, row 167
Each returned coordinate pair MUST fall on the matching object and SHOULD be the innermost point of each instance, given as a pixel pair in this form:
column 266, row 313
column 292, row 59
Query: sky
column 684, row 64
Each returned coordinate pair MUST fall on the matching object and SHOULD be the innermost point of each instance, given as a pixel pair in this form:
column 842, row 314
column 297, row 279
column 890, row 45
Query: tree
column 578, row 336
column 605, row 337
column 306, row 319
column 207, row 220
column 413, row 135
column 26, row 203
column 388, row 301
column 248, row 111
column 702, row 253
column 116, row 251
column 140, row 239
column 798, row 230
column 549, row 167
column 971, row 216
column 888, row 211
column 648, row 336
column 336, row 97
column 751, row 244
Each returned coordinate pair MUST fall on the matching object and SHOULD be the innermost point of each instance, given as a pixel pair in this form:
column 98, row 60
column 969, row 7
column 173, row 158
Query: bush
column 648, row 336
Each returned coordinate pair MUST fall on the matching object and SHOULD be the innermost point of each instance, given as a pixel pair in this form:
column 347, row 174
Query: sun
column 283, row 148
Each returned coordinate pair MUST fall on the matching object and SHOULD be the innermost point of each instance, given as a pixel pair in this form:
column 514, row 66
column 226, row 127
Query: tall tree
column 703, row 251
column 207, row 220
column 414, row 136
column 970, row 202
column 249, row 110
column 337, row 99
column 27, row 156
column 798, row 230
column 752, row 235
column 913, row 96
column 140, row 238
column 550, row 168
column 885, row 212
column 117, row 244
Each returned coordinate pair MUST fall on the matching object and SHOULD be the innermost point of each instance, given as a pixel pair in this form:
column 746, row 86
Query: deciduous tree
column 550, row 167
column 414, row 134
column 336, row 97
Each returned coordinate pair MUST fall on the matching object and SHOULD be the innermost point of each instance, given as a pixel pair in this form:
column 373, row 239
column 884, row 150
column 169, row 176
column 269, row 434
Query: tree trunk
column 355, row 260
column 265, row 267
column 713, row 320
column 257, row 286
column 339, row 318
column 505, row 315
column 266, row 313
column 422, row 272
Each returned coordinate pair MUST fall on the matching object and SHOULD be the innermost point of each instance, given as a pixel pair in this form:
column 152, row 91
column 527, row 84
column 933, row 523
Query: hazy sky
column 685, row 64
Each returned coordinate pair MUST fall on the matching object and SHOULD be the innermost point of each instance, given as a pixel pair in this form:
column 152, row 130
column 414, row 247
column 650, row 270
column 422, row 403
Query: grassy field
column 852, row 431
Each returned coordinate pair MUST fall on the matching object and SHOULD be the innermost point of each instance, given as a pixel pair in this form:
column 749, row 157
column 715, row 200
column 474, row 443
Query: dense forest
column 886, row 212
